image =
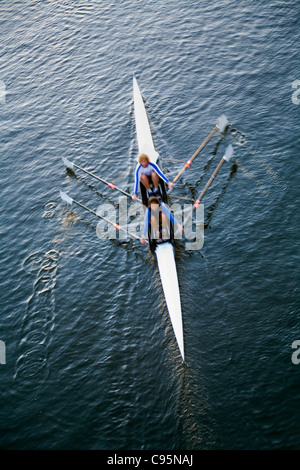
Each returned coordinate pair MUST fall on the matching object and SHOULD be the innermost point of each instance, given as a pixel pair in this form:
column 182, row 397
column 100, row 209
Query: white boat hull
column 144, row 137
column 165, row 251
column 168, row 274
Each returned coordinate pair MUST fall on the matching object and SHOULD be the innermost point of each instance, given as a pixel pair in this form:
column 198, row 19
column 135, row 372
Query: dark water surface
column 91, row 360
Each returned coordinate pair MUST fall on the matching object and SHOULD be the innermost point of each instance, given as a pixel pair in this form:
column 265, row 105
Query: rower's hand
column 143, row 241
column 134, row 197
column 171, row 185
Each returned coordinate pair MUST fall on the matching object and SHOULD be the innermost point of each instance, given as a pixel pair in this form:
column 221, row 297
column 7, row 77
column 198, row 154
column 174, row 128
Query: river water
column 91, row 359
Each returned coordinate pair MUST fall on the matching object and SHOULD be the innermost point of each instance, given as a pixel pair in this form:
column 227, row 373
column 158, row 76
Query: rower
column 156, row 222
column 146, row 172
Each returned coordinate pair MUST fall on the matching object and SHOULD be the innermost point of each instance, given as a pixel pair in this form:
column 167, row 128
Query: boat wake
column 38, row 321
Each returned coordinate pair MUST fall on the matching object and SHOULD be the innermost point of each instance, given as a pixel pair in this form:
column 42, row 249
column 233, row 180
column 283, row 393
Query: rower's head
column 153, row 203
column 143, row 159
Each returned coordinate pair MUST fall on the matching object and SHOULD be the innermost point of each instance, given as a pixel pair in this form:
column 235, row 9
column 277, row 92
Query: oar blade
column 228, row 153
column 222, row 123
column 67, row 199
column 68, row 164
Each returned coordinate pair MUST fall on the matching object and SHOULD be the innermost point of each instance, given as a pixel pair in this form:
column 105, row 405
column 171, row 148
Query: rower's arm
column 136, row 182
column 159, row 172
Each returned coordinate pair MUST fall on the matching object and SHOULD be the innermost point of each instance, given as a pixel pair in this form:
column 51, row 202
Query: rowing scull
column 164, row 252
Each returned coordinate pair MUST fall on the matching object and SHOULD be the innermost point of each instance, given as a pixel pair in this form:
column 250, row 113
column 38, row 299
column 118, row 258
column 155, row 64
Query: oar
column 182, row 197
column 70, row 201
column 226, row 157
column 221, row 124
column 71, row 166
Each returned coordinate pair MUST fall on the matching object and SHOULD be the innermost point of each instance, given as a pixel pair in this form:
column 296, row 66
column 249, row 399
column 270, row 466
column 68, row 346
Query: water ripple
column 39, row 318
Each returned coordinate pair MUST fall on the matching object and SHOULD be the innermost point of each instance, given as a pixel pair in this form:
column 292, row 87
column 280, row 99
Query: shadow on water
column 213, row 206
column 196, row 423
column 91, row 187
